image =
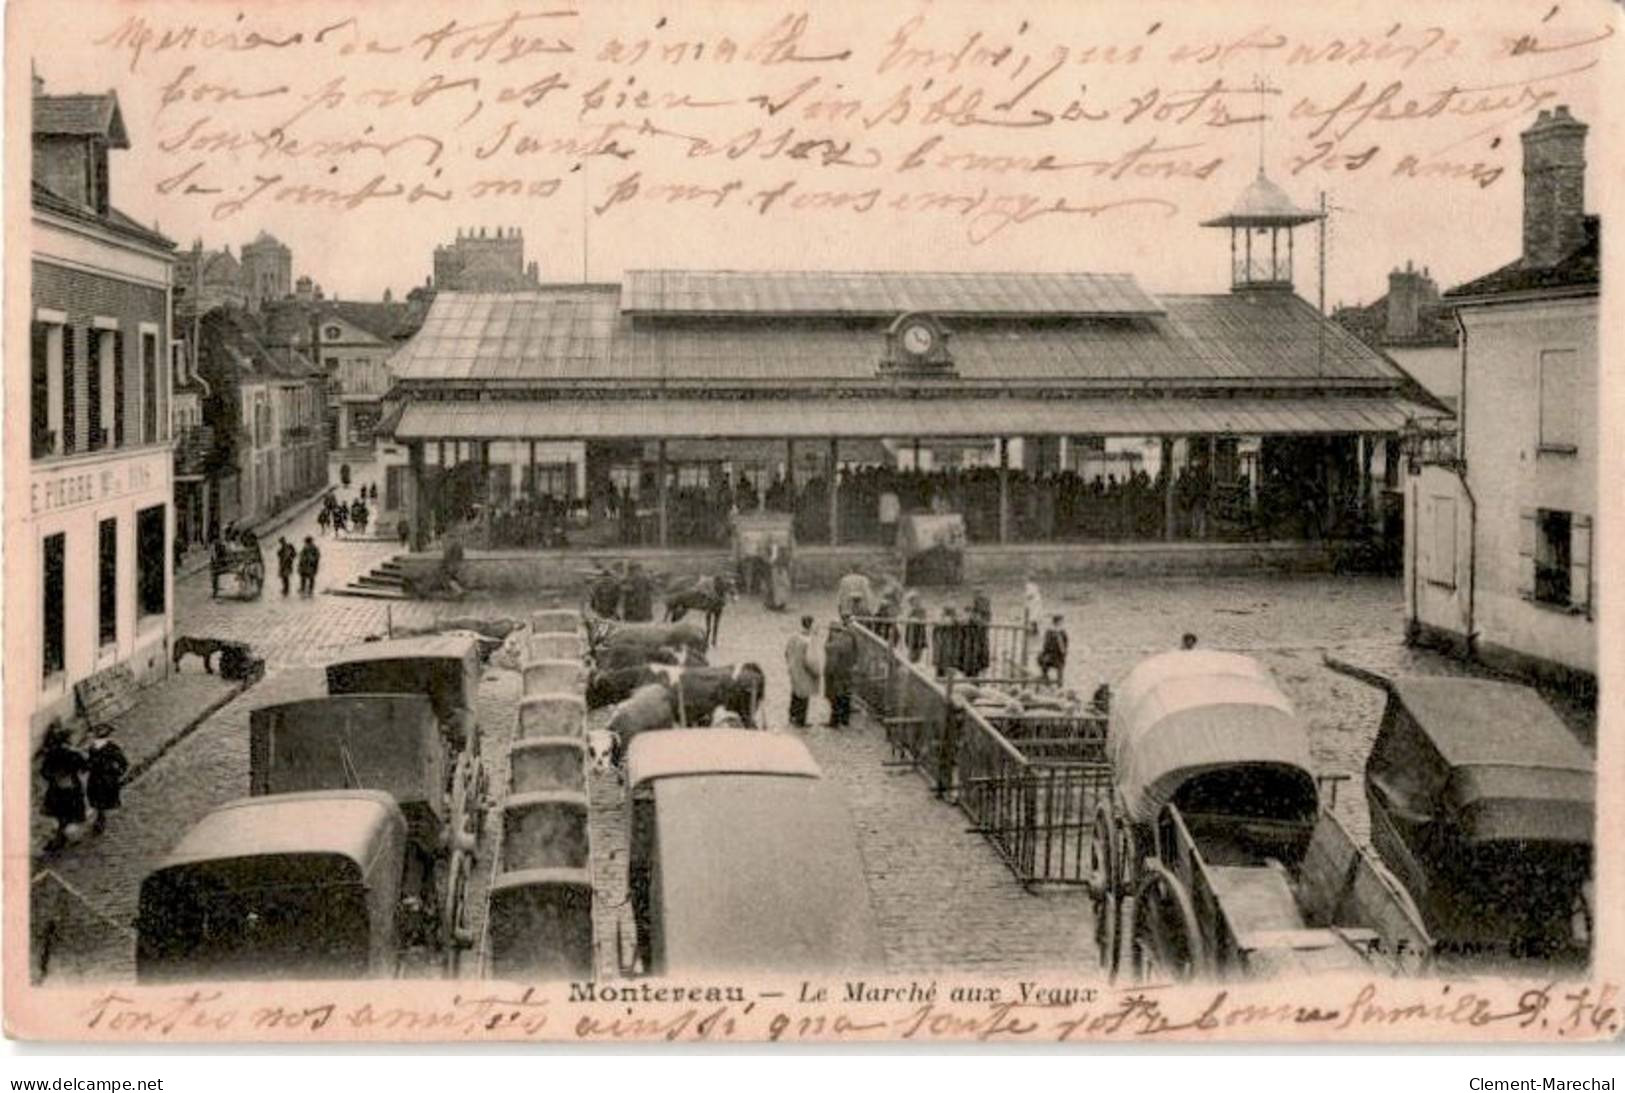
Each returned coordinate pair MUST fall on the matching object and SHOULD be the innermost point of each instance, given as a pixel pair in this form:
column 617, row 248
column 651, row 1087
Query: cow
column 653, row 641
column 645, row 709
column 697, row 692
column 607, row 686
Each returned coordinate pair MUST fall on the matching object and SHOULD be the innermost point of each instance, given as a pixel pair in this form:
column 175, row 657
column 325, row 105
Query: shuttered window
column 1559, row 400
column 1441, row 568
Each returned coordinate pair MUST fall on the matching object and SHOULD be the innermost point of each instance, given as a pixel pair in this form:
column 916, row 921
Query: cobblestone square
column 943, row 898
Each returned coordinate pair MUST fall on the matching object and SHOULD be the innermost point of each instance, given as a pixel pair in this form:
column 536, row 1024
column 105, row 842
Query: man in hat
column 285, row 554
column 1052, row 654
column 803, row 679
column 310, row 559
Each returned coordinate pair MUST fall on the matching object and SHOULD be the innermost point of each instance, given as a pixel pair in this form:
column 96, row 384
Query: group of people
column 339, row 517
column 80, row 779
column 308, row 559
column 624, row 592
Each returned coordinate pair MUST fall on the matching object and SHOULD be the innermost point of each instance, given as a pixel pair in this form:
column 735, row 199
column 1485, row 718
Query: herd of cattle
column 655, row 676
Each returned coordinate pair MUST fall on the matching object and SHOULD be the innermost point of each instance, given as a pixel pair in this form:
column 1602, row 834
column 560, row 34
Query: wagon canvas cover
column 1183, row 714
column 1490, row 758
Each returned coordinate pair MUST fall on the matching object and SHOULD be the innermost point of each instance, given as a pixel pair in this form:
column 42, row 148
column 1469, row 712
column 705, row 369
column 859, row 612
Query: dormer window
column 332, row 333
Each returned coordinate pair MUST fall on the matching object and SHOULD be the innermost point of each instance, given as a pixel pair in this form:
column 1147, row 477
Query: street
column 942, row 896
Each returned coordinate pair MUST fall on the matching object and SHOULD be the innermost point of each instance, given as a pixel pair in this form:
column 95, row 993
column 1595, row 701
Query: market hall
column 1044, row 407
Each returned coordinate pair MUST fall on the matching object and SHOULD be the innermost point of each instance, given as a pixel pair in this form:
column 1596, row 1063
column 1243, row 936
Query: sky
column 1418, row 195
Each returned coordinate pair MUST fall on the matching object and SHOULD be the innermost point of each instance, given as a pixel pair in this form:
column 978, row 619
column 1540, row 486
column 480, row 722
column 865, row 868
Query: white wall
column 1510, row 474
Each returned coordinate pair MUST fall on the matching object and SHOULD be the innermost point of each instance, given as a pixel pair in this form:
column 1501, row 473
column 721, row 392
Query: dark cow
column 698, row 692
column 607, row 686
column 649, row 637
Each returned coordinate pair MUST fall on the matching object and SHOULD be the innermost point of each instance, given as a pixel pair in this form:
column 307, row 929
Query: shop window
column 150, row 561
column 550, row 480
column 53, row 639
column 107, row 582
column 1559, row 401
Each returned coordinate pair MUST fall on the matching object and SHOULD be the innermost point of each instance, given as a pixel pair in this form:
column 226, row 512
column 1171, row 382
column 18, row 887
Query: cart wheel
column 1411, row 961
column 456, row 934
column 1103, row 894
column 1165, row 944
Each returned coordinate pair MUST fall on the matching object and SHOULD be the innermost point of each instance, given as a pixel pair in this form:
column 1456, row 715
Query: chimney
column 1553, row 188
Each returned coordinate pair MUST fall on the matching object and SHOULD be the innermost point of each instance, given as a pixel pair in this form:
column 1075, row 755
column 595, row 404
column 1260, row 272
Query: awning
column 897, row 417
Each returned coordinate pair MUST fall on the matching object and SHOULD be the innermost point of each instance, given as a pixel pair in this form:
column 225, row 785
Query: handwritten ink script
column 1025, row 1012
column 977, row 121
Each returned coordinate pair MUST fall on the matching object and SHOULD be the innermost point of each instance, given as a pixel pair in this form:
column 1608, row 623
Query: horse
column 705, row 594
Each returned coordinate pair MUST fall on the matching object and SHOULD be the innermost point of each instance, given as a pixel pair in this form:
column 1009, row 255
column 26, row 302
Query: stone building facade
column 1501, row 561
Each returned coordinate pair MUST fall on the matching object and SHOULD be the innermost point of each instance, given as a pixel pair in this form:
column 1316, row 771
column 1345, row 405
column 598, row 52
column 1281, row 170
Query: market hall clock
column 917, row 343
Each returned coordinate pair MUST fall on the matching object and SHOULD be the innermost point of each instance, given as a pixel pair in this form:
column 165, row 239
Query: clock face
column 918, row 339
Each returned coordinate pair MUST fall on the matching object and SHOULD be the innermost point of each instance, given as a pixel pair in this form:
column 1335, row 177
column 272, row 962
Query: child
column 106, row 766
column 1052, row 655
column 61, row 764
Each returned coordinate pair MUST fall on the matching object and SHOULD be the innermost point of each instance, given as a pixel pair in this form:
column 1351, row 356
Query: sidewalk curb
column 163, row 749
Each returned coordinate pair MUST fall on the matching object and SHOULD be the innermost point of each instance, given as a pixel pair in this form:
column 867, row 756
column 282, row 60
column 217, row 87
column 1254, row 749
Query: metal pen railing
column 1030, row 784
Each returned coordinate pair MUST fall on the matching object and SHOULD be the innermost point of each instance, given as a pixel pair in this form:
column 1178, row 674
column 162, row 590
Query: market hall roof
column 691, row 418
column 585, row 334
column 882, row 294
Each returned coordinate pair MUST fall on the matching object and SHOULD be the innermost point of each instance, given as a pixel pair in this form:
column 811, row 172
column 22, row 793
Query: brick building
column 1500, row 558
column 92, row 538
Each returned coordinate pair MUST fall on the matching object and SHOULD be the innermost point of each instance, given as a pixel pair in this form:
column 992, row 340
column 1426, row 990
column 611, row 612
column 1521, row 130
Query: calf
column 698, row 692
column 607, row 686
column 647, row 708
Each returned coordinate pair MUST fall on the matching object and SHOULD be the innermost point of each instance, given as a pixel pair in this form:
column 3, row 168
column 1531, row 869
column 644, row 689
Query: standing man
column 1052, row 657
column 1187, row 642
column 284, row 561
column 310, row 559
column 1032, row 610
column 604, row 596
column 637, row 600
column 840, row 661
column 803, row 680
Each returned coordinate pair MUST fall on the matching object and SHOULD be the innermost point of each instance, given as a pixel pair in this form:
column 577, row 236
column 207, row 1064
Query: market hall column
column 418, row 512
column 1168, row 488
column 660, row 490
column 1004, row 490
column 834, row 492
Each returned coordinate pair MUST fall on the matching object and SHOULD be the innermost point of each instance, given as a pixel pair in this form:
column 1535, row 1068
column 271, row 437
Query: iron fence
column 1030, row 784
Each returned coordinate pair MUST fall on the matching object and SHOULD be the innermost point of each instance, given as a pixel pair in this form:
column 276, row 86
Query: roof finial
column 1258, row 85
